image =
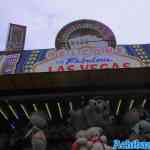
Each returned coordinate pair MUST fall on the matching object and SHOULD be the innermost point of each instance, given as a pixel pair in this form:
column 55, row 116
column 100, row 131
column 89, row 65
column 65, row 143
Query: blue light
column 13, row 123
column 12, row 126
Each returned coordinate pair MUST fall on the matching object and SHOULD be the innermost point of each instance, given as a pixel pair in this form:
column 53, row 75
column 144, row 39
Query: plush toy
column 90, row 113
column 131, row 117
column 98, row 140
column 81, row 142
column 38, row 119
column 78, row 120
column 139, row 122
column 85, row 117
column 141, row 128
column 39, row 139
column 98, row 113
column 104, row 113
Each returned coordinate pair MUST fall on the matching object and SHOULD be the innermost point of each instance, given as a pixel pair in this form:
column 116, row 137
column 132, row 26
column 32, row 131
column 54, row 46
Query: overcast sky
column 128, row 19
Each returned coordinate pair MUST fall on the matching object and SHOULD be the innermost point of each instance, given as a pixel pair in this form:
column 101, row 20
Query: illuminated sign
column 85, row 32
column 80, row 45
column 86, row 59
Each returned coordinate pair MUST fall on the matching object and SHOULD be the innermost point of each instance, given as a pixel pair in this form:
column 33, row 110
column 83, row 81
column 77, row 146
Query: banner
column 87, row 58
column 16, row 37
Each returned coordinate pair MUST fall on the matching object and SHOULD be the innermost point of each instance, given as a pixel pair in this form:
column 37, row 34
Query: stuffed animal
column 81, row 142
column 104, row 113
column 90, row 113
column 98, row 140
column 78, row 120
column 39, row 139
column 96, row 113
column 139, row 122
column 142, row 128
column 131, row 117
column 39, row 119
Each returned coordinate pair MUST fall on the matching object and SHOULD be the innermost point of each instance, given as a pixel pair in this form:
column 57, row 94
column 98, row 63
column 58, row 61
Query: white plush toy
column 81, row 142
column 98, row 140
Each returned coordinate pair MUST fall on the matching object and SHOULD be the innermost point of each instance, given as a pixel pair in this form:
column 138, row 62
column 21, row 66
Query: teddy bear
column 37, row 132
column 98, row 113
column 81, row 142
column 97, row 138
column 139, row 122
column 77, row 119
column 90, row 113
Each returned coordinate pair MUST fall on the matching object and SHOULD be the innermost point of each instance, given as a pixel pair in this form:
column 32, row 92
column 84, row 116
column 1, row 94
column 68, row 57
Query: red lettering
column 103, row 66
column 50, row 69
column 71, row 68
column 84, row 67
column 115, row 66
column 126, row 65
column 93, row 66
column 61, row 68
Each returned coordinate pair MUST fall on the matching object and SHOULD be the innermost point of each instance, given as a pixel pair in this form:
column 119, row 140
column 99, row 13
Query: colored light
column 13, row 111
column 60, row 111
column 71, row 106
column 25, row 111
column 3, row 114
column 144, row 102
column 48, row 111
column 118, row 108
column 35, row 108
column 12, row 126
column 131, row 104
